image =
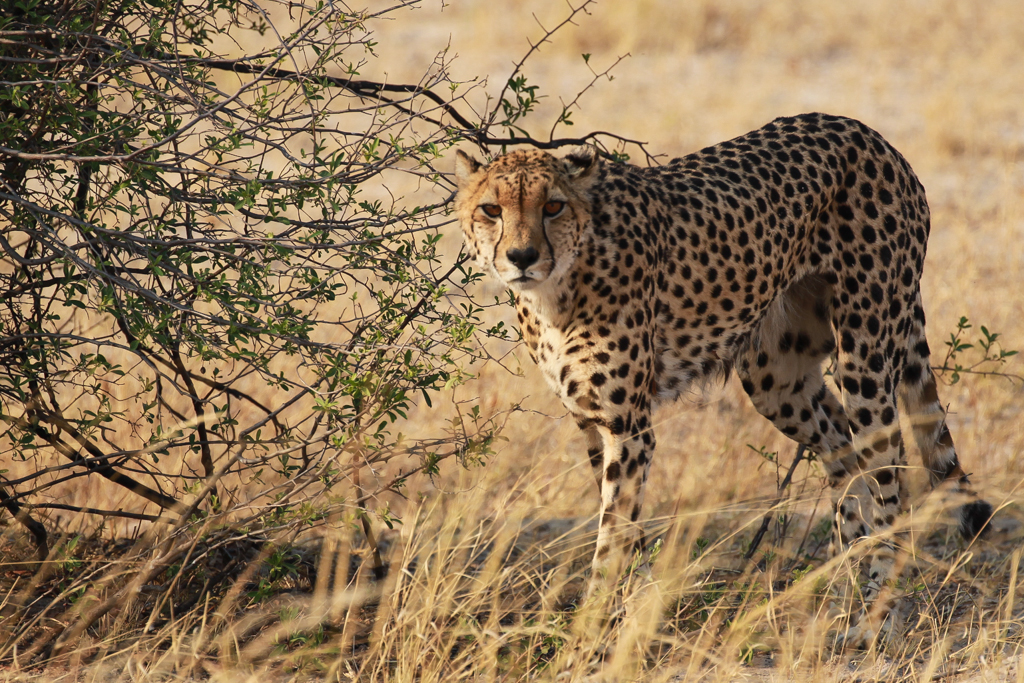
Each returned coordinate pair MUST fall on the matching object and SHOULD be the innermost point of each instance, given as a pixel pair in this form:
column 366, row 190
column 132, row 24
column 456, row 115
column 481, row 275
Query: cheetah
column 798, row 242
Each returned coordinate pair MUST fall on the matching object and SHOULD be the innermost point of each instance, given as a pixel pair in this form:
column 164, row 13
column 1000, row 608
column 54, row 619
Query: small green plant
column 524, row 98
column 281, row 564
column 988, row 359
column 700, row 546
column 820, row 585
column 768, row 456
column 299, row 640
column 552, row 641
column 67, row 561
column 749, row 650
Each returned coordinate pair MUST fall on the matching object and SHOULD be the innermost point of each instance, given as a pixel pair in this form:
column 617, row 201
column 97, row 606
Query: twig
column 75, row 455
column 581, row 93
column 34, row 527
column 766, row 522
column 102, row 513
column 1009, row 376
column 533, row 48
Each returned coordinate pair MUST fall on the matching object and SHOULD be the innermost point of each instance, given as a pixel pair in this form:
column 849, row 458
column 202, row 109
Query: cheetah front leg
column 595, row 450
column 628, row 444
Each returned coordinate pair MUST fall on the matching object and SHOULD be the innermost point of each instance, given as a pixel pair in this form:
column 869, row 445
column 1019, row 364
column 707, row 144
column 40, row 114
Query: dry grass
column 487, row 560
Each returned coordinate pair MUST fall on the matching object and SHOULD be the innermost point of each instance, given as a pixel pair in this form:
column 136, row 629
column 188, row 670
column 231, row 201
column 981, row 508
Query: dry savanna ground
column 487, row 559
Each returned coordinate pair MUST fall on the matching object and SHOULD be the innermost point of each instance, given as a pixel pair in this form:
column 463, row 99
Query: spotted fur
column 768, row 253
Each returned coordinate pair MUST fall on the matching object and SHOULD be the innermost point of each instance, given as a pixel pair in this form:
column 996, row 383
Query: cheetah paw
column 855, row 638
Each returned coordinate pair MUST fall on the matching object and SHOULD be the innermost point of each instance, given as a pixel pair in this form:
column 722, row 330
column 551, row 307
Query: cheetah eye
column 492, row 210
column 553, row 208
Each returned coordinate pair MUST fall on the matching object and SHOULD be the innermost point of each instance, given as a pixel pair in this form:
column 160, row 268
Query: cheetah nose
column 523, row 258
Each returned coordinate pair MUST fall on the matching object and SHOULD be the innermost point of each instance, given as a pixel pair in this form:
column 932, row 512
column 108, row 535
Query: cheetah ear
column 581, row 163
column 465, row 167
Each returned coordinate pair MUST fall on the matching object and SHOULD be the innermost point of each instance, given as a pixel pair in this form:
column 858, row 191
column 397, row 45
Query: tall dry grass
column 486, row 561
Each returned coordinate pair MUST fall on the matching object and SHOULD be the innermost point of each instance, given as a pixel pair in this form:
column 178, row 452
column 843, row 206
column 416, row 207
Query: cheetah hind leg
column 919, row 400
column 781, row 372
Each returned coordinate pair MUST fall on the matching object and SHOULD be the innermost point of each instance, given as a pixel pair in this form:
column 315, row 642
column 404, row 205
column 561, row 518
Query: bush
column 181, row 229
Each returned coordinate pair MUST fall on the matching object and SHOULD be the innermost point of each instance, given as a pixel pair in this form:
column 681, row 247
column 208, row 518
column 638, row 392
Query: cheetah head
column 524, row 215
